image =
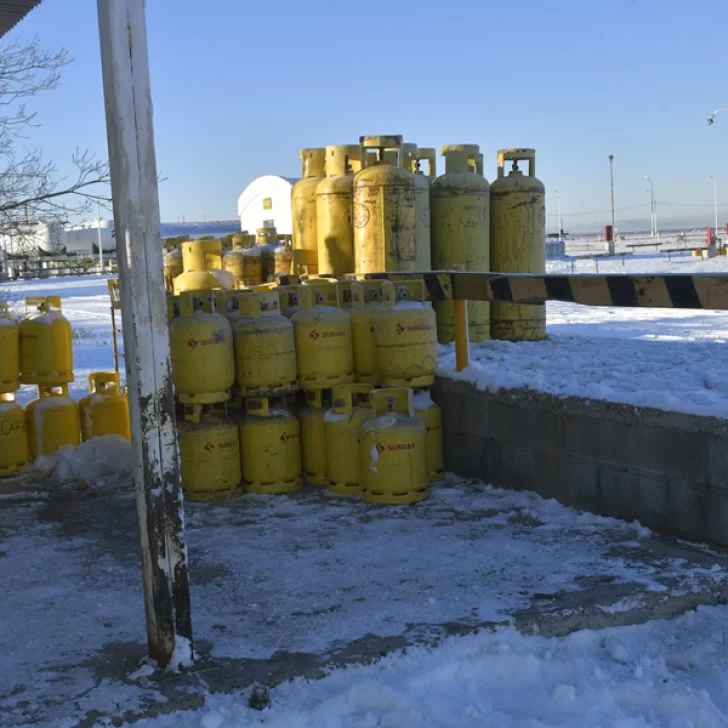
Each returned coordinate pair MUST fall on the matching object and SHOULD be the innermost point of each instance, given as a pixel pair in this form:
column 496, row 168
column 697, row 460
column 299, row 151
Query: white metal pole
column 653, row 232
column 715, row 202
column 98, row 238
column 558, row 212
column 127, row 95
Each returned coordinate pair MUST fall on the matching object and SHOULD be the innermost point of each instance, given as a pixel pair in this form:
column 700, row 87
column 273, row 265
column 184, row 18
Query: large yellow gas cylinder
column 517, row 234
column 201, row 342
column 313, row 436
column 233, row 262
column 366, row 296
column 431, row 415
column 243, row 240
column 46, row 351
column 201, row 254
column 324, row 351
column 333, row 211
column 392, row 460
column 14, row 453
column 9, row 352
column 383, row 214
column 265, row 346
column 172, row 307
column 105, row 410
column 422, row 201
column 350, row 408
column 209, row 453
column 460, row 201
column 195, row 280
column 303, row 211
column 405, row 333
column 270, row 448
column 52, row 421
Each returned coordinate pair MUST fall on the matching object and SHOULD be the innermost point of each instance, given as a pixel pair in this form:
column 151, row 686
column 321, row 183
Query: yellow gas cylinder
column 333, row 211
column 517, row 217
column 105, row 410
column 350, row 408
column 313, row 436
column 172, row 263
column 9, row 351
column 209, row 454
column 195, row 280
column 172, row 307
column 303, row 210
column 392, row 460
column 52, row 421
column 405, row 333
column 243, row 240
column 422, row 203
column 14, row 453
column 460, row 201
column 266, row 239
column 366, row 296
column 270, row 448
column 202, row 254
column 226, row 303
column 265, row 346
column 46, row 350
column 288, row 300
column 252, row 266
column 324, row 352
column 385, row 227
column 283, row 256
column 233, row 262
column 201, row 342
column 431, row 415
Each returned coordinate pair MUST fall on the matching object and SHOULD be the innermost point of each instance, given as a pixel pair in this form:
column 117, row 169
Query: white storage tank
column 266, row 202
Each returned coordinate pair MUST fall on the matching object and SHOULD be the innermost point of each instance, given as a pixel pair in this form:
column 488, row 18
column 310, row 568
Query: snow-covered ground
column 670, row 674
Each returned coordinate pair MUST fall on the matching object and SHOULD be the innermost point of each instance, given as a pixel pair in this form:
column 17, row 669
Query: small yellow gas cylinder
column 209, row 451
column 201, row 254
column 517, row 219
column 52, row 421
column 46, row 351
column 431, row 415
column 14, row 453
column 323, row 338
column 405, row 333
column 105, row 410
column 313, row 436
column 266, row 239
column 265, row 346
column 243, row 240
column 460, row 201
column 350, row 408
column 303, row 210
column 283, row 256
column 233, row 262
column 366, row 296
column 384, row 210
column 333, row 210
column 288, row 299
column 392, row 460
column 9, row 351
column 270, row 448
column 201, row 342
column 172, row 262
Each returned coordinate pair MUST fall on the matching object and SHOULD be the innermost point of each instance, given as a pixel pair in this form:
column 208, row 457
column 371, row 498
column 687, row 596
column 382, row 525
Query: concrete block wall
column 667, row 470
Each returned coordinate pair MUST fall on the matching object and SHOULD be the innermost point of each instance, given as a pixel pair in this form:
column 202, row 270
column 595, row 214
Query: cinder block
column 619, row 491
column 653, row 500
column 598, row 438
column 583, row 479
column 674, row 453
column 717, row 522
column 465, row 455
column 687, row 503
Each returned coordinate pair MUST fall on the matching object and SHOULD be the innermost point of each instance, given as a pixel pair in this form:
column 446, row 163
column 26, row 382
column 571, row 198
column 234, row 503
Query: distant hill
column 196, row 229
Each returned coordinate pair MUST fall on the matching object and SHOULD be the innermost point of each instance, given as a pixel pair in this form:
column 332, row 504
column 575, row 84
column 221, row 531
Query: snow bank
column 662, row 673
column 98, row 462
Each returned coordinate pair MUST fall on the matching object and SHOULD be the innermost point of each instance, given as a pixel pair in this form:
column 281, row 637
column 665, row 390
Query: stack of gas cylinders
column 373, row 208
column 38, row 351
column 323, row 382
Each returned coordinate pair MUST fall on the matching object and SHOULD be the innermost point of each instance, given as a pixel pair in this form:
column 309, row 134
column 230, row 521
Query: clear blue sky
column 240, row 86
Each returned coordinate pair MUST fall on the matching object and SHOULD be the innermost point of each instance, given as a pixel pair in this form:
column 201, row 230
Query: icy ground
column 292, row 586
column 672, row 674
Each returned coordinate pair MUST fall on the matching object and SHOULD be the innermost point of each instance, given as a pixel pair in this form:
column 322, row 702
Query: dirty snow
column 671, row 674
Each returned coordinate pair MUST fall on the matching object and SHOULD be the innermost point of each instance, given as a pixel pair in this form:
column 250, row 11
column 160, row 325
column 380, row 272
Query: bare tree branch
column 31, row 189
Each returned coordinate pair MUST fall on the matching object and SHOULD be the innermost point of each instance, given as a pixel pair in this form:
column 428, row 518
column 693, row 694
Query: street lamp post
column 611, row 188
column 558, row 214
column 653, row 216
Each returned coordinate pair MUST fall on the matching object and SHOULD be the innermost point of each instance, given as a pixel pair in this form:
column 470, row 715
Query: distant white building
column 266, row 202
column 35, row 238
column 84, row 237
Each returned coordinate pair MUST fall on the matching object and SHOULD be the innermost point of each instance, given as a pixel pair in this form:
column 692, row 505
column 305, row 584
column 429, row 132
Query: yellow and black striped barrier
column 667, row 291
